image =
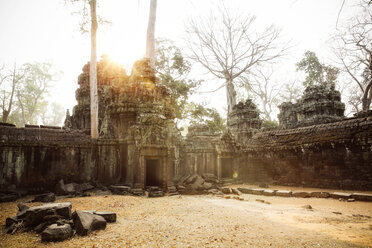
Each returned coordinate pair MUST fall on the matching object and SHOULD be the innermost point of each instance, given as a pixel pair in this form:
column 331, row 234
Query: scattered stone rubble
column 55, row 222
column 196, row 184
column 10, row 194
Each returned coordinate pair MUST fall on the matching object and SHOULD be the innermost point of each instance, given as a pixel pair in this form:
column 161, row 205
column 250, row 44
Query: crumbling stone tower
column 243, row 121
column 319, row 104
column 136, row 114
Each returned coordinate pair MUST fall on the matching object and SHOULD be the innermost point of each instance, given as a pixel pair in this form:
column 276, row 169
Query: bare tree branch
column 228, row 45
column 353, row 48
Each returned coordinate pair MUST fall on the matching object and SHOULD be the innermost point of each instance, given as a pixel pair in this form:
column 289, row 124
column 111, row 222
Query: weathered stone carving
column 319, row 104
column 244, row 120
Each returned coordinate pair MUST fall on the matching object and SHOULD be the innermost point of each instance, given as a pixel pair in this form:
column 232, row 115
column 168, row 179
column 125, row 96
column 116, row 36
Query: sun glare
column 124, row 54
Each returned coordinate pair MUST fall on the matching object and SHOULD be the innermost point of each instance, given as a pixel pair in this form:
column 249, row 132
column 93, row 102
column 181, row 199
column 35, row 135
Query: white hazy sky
column 45, row 30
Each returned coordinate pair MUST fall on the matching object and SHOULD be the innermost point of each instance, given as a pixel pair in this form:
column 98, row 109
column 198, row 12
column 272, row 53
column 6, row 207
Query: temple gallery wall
column 139, row 144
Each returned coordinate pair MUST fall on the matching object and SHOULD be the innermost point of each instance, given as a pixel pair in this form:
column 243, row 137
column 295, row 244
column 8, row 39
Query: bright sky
column 45, row 30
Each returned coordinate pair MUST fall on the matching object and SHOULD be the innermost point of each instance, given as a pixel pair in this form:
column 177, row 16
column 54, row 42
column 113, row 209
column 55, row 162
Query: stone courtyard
column 211, row 221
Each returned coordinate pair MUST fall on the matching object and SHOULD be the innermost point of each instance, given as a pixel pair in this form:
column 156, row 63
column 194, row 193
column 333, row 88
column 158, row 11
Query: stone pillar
column 170, row 172
column 131, row 150
column 219, row 166
column 139, row 168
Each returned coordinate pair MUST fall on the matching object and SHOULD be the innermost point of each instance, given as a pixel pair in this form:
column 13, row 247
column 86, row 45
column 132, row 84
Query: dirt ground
column 210, row 221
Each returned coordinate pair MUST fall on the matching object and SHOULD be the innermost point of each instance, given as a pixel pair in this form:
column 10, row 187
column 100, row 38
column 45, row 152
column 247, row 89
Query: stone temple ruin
column 318, row 105
column 140, row 146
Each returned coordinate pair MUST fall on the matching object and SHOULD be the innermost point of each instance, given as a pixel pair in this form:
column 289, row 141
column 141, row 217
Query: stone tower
column 318, row 105
column 243, row 121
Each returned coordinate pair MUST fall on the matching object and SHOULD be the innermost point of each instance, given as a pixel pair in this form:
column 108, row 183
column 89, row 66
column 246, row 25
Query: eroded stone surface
column 85, row 222
column 35, row 215
column 56, row 232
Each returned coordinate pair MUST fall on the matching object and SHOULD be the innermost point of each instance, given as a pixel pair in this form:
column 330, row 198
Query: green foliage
column 198, row 114
column 215, row 121
column 30, row 96
column 172, row 71
column 317, row 73
column 267, row 124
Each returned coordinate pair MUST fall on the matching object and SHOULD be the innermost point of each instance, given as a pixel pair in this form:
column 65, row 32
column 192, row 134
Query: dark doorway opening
column 226, row 168
column 153, row 173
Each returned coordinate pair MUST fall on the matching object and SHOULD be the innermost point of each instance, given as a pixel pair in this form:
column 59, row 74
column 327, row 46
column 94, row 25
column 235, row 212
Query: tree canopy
column 173, row 70
column 24, row 98
column 316, row 72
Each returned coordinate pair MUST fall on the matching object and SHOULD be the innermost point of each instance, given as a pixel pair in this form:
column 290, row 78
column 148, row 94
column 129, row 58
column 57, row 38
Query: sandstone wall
column 336, row 155
column 39, row 157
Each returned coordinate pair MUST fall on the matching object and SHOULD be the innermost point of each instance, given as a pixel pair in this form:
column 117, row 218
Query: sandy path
column 208, row 221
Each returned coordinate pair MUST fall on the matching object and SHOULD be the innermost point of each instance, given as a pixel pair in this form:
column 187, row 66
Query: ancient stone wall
column 199, row 151
column 336, row 155
column 39, row 157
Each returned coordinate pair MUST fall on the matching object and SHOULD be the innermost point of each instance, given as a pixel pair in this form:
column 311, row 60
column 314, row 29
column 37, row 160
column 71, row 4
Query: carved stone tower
column 243, row 121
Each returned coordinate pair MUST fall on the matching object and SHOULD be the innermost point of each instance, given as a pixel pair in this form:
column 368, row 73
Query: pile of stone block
column 55, row 222
column 197, row 184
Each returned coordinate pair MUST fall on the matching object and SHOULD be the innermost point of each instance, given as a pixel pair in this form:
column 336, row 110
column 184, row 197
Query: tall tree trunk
column 14, row 82
column 230, row 95
column 22, row 108
column 93, row 72
column 150, row 43
column 366, row 100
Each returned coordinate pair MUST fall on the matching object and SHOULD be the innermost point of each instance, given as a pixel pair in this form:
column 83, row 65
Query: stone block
column 236, row 191
column 257, row 191
column 84, row 187
column 22, row 207
column 362, row 197
column 156, row 193
column 197, row 183
column 301, row 194
column 120, row 189
column 48, row 197
column 137, row 191
column 108, row 216
column 226, row 190
column 85, row 222
column 207, row 185
column 283, row 193
column 340, row 195
column 35, row 215
column 320, row 194
column 56, row 232
column 269, row 192
column 245, row 190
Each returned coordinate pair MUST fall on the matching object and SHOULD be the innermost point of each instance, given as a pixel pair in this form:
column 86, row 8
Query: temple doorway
column 153, row 173
column 227, row 167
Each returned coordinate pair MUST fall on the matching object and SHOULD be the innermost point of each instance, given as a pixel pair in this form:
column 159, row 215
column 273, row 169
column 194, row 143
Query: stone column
column 139, row 168
column 170, row 172
column 218, row 166
column 131, row 150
